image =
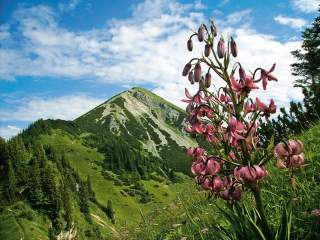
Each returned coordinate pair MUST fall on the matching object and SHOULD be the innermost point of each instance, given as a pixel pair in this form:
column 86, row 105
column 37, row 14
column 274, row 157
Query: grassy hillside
column 193, row 216
column 126, row 198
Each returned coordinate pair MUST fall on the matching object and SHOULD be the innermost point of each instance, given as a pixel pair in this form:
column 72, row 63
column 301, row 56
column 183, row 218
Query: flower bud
column 191, row 77
column 213, row 29
column 234, row 50
column 220, row 48
column 186, row 69
column 197, row 72
column 190, row 45
column 207, row 50
column 242, row 74
column 201, row 33
column 201, row 84
column 208, row 80
column 190, row 151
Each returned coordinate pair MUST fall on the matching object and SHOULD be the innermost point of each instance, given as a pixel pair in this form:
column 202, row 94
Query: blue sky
column 59, row 59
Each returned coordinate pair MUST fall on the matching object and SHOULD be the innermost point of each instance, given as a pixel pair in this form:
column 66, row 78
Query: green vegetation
column 195, row 216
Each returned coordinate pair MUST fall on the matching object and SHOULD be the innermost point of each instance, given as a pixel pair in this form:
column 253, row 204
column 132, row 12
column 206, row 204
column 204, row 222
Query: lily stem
column 264, row 223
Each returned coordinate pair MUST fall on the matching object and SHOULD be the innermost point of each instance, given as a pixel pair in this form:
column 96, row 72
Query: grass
column 86, row 161
column 194, row 216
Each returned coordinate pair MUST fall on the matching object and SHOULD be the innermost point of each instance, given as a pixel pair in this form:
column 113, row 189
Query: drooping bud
column 190, row 151
column 191, row 77
column 207, row 50
column 220, row 48
column 201, row 33
column 190, row 45
column 201, row 84
column 207, row 82
column 234, row 50
column 213, row 29
column 242, row 74
column 186, row 69
column 197, row 72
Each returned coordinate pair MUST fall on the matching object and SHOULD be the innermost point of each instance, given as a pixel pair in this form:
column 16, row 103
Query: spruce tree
column 91, row 193
column 11, row 186
column 110, row 212
column 65, row 195
column 84, row 200
column 307, row 68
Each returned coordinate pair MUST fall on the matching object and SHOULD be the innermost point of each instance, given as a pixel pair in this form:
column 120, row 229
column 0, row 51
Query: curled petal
column 217, row 184
column 280, row 151
column 213, row 167
column 281, row 164
column 206, row 185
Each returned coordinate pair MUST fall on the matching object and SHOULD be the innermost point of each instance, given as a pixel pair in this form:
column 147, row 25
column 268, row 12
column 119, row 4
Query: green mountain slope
column 59, row 177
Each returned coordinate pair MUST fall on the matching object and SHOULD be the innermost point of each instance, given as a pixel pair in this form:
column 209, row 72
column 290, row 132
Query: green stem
column 264, row 222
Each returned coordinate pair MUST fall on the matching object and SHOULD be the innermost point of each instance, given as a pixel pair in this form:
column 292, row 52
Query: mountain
column 90, row 177
column 145, row 121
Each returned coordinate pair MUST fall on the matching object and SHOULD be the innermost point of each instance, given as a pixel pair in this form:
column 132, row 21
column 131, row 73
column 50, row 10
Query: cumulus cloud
column 296, row 23
column 8, row 131
column 149, row 47
column 307, row 6
column 65, row 107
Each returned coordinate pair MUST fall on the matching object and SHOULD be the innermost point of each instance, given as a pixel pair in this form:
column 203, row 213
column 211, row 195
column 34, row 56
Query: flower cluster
column 289, row 154
column 227, row 118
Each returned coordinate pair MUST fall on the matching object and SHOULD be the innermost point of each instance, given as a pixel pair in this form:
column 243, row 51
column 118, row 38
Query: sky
column 59, row 59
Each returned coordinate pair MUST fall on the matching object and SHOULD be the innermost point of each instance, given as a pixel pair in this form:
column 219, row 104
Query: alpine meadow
column 159, row 120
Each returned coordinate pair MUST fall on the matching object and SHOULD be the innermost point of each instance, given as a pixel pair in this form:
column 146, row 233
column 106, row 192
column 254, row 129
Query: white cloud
column 149, row 47
column 69, row 5
column 306, row 6
column 296, row 23
column 9, row 131
column 65, row 107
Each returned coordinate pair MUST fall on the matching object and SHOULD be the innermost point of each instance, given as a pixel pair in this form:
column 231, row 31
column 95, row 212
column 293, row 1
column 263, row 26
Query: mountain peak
column 140, row 116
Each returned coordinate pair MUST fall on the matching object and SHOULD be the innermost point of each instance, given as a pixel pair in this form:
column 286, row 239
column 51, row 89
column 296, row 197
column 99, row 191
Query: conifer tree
column 84, row 201
column 66, row 205
column 11, row 186
column 110, row 212
column 91, row 193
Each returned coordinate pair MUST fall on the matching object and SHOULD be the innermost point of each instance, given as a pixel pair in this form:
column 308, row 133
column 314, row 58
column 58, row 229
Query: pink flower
column 198, row 168
column 289, row 155
column 267, row 110
column 295, row 160
column 190, row 151
column 249, row 107
column 213, row 167
column 232, row 194
column 207, row 184
column 267, row 76
column 234, row 131
column 217, row 184
column 280, row 151
column 244, row 86
column 199, row 151
column 249, row 174
column 295, row 147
